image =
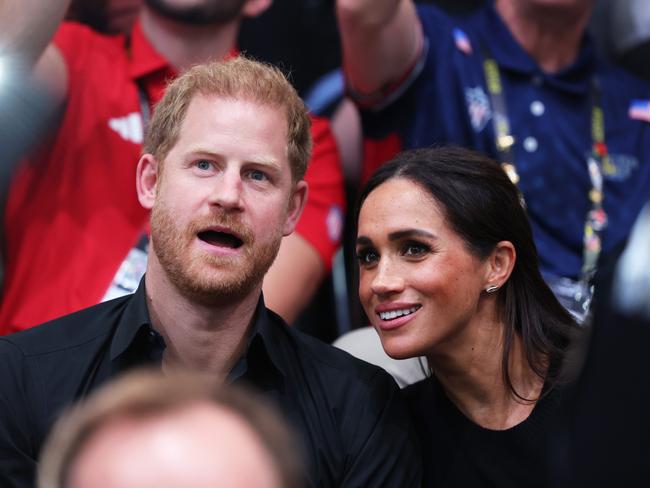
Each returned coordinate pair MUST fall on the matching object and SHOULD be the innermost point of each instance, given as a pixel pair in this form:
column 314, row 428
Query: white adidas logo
column 128, row 127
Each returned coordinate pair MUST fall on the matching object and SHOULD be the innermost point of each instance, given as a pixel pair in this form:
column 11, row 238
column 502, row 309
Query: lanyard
column 596, row 218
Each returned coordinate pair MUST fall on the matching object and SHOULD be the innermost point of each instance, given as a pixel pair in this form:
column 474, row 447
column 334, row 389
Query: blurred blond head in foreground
column 149, row 430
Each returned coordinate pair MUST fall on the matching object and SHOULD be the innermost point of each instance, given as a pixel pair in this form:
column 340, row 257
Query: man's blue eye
column 203, row 165
column 257, row 175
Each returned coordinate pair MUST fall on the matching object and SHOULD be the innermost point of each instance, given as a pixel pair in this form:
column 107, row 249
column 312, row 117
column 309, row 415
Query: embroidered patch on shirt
column 478, row 106
column 462, row 41
column 619, row 167
column 639, row 110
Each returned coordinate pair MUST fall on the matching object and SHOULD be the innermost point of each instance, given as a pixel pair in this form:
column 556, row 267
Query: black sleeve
column 383, row 451
column 17, row 445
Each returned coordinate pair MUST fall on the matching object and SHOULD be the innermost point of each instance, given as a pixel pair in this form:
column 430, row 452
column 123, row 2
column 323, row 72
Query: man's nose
column 228, row 191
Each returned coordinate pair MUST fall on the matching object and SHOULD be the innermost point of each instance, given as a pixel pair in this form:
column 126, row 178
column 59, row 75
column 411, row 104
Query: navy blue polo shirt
column 550, row 119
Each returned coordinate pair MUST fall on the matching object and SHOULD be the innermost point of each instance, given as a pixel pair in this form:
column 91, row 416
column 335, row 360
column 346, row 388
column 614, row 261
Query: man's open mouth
column 222, row 239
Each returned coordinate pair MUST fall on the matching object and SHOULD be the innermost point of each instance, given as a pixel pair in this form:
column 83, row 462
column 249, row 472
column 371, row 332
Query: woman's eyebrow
column 401, row 234
column 363, row 241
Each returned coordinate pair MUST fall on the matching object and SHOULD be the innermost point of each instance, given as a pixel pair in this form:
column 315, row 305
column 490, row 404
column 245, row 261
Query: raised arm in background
column 381, row 40
column 27, row 26
column 26, row 29
column 294, row 277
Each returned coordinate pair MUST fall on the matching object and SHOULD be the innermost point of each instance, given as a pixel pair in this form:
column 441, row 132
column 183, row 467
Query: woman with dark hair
column 448, row 270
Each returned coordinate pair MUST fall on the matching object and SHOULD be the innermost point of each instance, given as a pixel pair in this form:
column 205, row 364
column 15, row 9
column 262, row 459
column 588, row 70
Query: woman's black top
column 459, row 453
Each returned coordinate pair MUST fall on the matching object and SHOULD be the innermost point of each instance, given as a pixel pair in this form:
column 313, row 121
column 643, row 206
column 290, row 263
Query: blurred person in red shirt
column 75, row 233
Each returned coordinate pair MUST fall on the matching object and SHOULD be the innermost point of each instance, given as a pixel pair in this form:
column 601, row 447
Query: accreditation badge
column 574, row 295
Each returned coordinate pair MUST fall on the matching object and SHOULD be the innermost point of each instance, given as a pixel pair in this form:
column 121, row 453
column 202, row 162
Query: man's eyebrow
column 273, row 163
column 401, row 234
column 201, row 151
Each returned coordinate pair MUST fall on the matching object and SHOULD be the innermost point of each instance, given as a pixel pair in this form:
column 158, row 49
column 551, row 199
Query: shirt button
column 530, row 144
column 537, row 108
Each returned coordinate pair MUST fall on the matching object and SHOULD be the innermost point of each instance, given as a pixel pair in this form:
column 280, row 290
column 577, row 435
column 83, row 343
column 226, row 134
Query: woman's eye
column 414, row 249
column 203, row 165
column 367, row 256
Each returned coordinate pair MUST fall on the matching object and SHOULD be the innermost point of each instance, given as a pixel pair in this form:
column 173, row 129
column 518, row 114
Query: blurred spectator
column 26, row 114
column 147, row 430
column 573, row 130
column 622, row 29
column 107, row 16
column 603, row 438
column 76, row 192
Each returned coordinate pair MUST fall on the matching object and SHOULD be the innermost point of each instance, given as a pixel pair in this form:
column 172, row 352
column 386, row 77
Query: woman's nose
column 387, row 279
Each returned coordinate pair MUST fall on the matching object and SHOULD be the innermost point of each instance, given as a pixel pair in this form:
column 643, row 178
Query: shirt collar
column 263, row 340
column 143, row 58
column 265, row 331
column 502, row 46
column 134, row 317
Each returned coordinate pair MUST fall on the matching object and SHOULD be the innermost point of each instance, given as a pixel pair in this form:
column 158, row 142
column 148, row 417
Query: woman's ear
column 500, row 262
column 146, row 180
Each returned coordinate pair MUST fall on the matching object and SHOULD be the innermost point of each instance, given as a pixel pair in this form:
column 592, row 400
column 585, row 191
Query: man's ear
column 296, row 205
column 501, row 262
column 253, row 8
column 147, row 180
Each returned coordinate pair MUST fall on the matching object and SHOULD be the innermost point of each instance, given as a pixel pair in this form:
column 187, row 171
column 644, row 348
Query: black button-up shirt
column 354, row 428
